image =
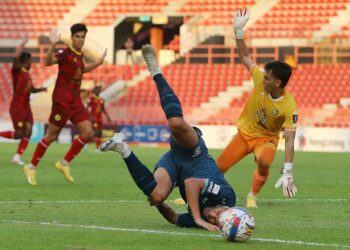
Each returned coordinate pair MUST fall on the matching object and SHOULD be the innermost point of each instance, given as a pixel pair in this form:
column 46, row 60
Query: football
column 236, row 224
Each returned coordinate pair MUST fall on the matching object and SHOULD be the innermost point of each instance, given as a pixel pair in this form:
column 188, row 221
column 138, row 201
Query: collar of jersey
column 75, row 51
column 23, row 69
column 276, row 99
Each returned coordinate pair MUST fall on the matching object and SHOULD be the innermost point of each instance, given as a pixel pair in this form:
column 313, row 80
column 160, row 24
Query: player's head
column 97, row 90
column 277, row 74
column 25, row 59
column 78, row 34
column 212, row 214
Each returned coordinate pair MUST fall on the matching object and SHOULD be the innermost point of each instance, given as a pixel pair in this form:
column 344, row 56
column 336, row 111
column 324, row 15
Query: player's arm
column 286, row 179
column 193, row 187
column 240, row 19
column 18, row 53
column 37, row 90
column 50, row 59
column 106, row 113
column 97, row 63
column 289, row 145
column 167, row 212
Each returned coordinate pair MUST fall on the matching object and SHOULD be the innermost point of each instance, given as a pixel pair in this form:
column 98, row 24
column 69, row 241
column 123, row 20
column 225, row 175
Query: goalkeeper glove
column 240, row 19
column 286, row 180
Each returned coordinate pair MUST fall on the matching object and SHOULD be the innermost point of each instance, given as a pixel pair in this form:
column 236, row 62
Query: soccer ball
column 237, row 224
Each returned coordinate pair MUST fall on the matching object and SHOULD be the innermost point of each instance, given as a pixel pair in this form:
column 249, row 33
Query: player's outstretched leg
column 180, row 129
column 141, row 175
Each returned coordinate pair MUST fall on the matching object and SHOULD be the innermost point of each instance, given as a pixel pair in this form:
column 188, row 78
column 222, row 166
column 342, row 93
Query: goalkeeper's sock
column 258, row 182
column 141, row 175
column 170, row 102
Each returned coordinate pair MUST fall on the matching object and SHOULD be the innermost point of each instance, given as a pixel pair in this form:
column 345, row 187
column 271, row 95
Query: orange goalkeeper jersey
column 263, row 115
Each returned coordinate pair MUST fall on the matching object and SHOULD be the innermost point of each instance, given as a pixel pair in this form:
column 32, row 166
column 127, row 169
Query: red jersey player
column 20, row 111
column 66, row 101
column 96, row 106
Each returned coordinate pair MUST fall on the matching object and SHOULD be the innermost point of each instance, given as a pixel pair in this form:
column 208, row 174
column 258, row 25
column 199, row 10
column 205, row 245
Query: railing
column 318, row 54
column 305, row 54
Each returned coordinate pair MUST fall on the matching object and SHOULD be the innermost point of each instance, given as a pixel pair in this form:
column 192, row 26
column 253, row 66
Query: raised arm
column 240, row 19
column 193, row 187
column 18, row 53
column 106, row 113
column 94, row 65
column 50, row 59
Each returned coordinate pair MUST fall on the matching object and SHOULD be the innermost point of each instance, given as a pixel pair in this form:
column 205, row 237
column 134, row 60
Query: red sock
column 39, row 151
column 76, row 147
column 8, row 134
column 22, row 145
column 98, row 142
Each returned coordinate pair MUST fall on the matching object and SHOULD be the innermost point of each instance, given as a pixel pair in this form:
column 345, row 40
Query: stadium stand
column 296, row 18
column 30, row 18
column 107, row 11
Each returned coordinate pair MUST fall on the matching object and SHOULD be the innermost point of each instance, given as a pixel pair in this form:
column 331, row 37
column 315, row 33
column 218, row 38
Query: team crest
column 275, row 112
column 20, row 124
column 57, row 117
column 95, row 125
column 75, row 59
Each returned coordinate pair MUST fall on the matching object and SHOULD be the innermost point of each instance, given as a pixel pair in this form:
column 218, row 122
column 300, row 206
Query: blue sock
column 141, row 175
column 170, row 102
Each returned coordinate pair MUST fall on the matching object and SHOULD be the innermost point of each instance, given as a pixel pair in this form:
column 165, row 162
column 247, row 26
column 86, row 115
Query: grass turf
column 103, row 209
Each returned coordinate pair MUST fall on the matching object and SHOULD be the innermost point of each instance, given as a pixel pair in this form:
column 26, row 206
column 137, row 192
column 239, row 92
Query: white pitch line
column 172, row 233
column 142, row 201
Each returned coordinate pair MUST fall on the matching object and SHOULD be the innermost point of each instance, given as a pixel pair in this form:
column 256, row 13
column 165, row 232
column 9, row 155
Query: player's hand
column 102, row 58
column 206, row 225
column 24, row 42
column 286, row 181
column 241, row 17
column 54, row 36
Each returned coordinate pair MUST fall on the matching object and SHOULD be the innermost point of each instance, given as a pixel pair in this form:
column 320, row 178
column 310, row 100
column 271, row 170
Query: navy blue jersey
column 183, row 163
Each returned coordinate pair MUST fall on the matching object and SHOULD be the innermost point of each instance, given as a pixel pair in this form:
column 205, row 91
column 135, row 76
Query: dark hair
column 279, row 70
column 24, row 57
column 78, row 27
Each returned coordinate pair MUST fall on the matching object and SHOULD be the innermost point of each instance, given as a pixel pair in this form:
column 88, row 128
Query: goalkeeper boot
column 149, row 54
column 30, row 175
column 65, row 170
column 251, row 201
column 118, row 144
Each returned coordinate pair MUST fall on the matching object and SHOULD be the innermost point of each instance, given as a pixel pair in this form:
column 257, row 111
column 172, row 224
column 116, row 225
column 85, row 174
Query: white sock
column 125, row 152
column 64, row 162
column 30, row 165
column 250, row 194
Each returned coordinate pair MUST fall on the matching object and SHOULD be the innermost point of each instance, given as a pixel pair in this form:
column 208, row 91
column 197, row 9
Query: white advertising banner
column 306, row 139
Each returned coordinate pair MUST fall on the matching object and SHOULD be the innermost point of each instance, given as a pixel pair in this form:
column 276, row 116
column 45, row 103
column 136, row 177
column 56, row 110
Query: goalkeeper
column 270, row 108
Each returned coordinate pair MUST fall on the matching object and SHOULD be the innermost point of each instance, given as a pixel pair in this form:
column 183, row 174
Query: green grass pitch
column 103, row 209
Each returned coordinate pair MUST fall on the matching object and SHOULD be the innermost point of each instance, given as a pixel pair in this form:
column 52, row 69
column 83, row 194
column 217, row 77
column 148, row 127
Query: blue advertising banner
column 149, row 133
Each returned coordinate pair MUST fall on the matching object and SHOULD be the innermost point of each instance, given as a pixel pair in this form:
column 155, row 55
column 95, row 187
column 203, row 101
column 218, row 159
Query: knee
column 263, row 168
column 157, row 196
column 176, row 123
column 19, row 134
column 88, row 135
column 28, row 133
column 51, row 138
